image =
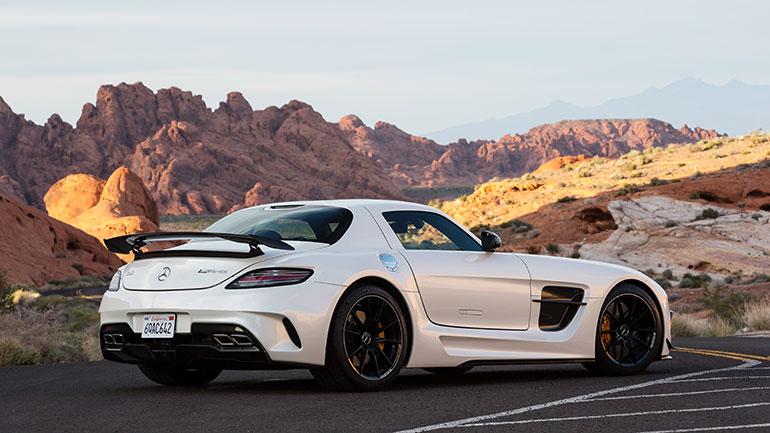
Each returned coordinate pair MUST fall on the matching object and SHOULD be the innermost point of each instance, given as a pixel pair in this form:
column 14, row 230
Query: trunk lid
column 190, row 273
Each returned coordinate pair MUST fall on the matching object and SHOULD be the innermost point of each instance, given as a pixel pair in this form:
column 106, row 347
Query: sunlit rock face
column 104, row 209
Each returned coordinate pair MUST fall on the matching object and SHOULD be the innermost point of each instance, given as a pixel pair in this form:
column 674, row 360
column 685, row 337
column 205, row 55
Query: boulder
column 118, row 206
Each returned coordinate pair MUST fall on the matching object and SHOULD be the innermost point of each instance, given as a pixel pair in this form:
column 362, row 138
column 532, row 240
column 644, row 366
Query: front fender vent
column 558, row 306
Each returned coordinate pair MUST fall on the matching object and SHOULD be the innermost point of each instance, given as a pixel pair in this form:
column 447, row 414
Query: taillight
column 270, row 277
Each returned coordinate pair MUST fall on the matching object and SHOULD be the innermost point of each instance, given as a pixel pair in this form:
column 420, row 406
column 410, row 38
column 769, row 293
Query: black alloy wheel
column 630, row 332
column 373, row 337
column 367, row 342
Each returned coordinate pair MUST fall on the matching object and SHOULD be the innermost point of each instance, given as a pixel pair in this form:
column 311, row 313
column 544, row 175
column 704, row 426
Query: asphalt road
column 692, row 392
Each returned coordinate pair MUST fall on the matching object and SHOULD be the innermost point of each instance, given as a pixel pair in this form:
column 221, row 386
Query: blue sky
column 421, row 65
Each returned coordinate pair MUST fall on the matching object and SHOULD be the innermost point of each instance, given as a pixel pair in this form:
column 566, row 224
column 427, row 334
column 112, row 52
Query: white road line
column 726, row 427
column 475, row 419
column 706, row 379
column 676, row 394
column 615, row 415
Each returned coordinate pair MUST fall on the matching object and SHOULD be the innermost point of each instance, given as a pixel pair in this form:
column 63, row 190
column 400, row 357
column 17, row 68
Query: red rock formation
column 36, row 248
column 118, row 206
column 415, row 160
column 193, row 159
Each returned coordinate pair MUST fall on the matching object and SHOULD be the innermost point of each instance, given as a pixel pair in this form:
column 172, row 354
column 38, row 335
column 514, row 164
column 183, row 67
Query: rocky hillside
column 36, row 248
column 413, row 160
column 702, row 207
column 193, row 159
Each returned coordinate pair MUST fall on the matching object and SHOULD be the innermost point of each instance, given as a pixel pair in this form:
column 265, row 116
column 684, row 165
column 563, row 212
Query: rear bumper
column 288, row 325
column 219, row 346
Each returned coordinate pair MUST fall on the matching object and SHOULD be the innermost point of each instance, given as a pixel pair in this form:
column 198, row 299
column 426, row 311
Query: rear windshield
column 325, row 224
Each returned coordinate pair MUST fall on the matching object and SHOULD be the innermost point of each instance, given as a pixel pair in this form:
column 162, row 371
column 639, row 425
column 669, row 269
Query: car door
column 459, row 283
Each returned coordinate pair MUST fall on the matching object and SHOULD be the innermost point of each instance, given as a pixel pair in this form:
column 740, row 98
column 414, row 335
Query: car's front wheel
column 367, row 342
column 629, row 334
column 170, row 375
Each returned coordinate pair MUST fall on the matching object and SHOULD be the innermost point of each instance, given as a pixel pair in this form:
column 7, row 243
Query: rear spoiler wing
column 134, row 243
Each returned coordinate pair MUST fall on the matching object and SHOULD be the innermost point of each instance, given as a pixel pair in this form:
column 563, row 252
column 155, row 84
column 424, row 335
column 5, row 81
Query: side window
column 429, row 231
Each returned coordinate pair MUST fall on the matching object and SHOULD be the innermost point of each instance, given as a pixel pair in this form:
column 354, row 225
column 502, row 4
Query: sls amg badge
column 164, row 274
column 389, row 262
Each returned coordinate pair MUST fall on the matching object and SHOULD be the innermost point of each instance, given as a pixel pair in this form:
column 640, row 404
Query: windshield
column 308, row 223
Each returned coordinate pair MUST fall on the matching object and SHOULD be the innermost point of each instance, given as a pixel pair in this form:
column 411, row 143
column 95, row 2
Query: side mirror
column 490, row 241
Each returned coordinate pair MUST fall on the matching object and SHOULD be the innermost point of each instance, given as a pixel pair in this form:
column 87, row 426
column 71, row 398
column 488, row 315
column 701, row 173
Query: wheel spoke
column 379, row 312
column 387, row 340
column 376, row 363
column 354, row 332
column 351, row 354
column 389, row 325
column 390, row 363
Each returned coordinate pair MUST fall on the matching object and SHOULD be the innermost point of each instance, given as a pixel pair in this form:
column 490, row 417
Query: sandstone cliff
column 36, row 248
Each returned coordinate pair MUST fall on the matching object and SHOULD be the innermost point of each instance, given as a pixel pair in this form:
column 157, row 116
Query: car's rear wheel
column 170, row 375
column 367, row 343
column 629, row 334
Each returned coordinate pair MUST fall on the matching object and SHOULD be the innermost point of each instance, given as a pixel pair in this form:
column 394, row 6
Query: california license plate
column 158, row 325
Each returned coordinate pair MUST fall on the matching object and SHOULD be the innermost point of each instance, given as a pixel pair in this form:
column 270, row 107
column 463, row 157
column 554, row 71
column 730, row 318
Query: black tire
column 170, row 375
column 448, row 371
column 367, row 342
column 629, row 333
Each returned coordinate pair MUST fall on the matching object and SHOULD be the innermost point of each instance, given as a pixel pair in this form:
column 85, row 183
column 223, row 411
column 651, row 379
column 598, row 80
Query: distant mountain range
column 734, row 108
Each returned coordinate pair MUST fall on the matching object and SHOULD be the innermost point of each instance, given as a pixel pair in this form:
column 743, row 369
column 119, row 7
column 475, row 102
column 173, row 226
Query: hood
column 189, row 273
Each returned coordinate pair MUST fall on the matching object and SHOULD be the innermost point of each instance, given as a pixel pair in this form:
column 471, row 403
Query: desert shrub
column 517, row 226
column 657, row 182
column 686, row 325
column 552, row 249
column 566, row 199
column 707, row 213
column 663, row 282
column 728, row 305
column 760, row 278
column 668, row 274
column 81, row 316
column 11, row 353
column 694, row 195
column 689, row 281
column 627, row 189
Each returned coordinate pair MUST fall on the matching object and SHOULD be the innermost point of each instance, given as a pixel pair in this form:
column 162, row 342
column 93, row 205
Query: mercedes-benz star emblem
column 164, row 274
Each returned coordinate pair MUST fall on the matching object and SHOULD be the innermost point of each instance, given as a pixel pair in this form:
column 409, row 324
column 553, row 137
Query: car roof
column 357, row 203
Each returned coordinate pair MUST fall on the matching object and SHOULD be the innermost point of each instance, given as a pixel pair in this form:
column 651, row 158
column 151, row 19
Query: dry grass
column 64, row 332
column 687, row 325
column 757, row 316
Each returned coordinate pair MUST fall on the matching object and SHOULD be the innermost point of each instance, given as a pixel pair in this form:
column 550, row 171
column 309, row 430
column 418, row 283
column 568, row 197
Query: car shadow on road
column 298, row 382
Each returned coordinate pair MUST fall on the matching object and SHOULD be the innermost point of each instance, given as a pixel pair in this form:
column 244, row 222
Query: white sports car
column 355, row 290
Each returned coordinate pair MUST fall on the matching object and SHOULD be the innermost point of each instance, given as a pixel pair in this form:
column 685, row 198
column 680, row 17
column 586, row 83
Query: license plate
column 158, row 325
